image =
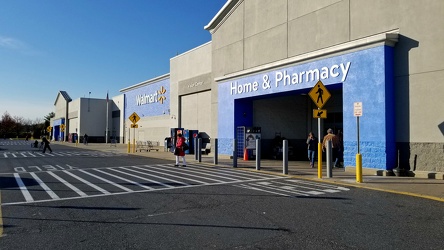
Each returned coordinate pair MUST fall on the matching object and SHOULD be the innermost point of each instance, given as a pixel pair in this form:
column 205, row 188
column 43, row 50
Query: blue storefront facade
column 150, row 101
column 364, row 76
column 58, row 133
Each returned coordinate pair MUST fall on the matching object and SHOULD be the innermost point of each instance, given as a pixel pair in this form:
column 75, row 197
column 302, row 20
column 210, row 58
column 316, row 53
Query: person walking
column 334, row 144
column 312, row 148
column 46, row 145
column 179, row 151
column 85, row 139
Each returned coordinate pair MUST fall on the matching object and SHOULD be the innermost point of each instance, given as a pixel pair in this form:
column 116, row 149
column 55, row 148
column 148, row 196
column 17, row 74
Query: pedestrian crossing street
column 45, row 186
column 35, row 153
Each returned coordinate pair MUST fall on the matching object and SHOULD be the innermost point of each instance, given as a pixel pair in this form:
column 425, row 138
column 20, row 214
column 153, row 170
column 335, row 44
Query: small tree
column 48, row 118
column 7, row 125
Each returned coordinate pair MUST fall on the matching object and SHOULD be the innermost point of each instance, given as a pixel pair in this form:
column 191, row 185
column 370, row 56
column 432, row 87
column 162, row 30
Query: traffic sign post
column 134, row 118
column 357, row 111
column 320, row 95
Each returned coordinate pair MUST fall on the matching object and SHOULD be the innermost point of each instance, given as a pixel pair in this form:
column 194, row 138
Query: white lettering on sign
column 146, row 99
column 243, row 88
column 195, row 84
column 283, row 78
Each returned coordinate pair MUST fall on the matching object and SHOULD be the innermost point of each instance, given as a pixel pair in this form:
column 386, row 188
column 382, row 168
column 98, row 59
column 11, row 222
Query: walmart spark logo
column 161, row 93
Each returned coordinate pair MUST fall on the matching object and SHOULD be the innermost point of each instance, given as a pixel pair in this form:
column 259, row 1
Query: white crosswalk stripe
column 25, row 154
column 294, row 187
column 96, row 182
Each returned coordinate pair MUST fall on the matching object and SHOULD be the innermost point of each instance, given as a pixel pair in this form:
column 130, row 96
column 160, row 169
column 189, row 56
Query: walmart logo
column 161, row 93
column 157, row 96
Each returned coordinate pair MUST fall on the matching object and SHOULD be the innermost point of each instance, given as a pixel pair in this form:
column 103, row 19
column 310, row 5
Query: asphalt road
column 83, row 199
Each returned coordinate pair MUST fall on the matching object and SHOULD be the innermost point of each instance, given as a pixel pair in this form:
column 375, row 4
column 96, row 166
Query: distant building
column 86, row 116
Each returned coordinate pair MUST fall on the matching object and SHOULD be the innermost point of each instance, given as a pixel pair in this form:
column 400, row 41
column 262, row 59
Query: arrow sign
column 320, row 113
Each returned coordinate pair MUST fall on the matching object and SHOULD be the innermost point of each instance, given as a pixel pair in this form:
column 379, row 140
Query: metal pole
column 129, row 140
column 358, row 158
column 319, row 150
column 329, row 159
column 199, row 149
column 258, row 154
column 285, row 157
column 357, row 123
column 196, row 148
column 234, row 153
column 107, row 126
column 215, row 159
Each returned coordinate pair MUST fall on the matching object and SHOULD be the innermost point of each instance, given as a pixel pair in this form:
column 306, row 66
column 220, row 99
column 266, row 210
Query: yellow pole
column 320, row 160
column 134, row 141
column 358, row 168
column 129, row 140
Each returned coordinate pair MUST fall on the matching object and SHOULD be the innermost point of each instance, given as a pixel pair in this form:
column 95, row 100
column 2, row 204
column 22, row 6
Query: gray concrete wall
column 191, row 83
column 196, row 110
column 92, row 120
column 117, row 124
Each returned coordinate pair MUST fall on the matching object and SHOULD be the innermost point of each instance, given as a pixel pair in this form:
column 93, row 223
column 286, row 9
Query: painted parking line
column 23, row 188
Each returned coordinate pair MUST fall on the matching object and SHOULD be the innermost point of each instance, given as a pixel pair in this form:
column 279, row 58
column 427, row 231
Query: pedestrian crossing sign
column 319, row 94
column 134, row 118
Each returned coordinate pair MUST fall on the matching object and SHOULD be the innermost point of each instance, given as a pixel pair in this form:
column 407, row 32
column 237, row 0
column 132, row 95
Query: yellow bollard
column 358, row 168
column 320, row 160
column 129, row 146
column 134, row 145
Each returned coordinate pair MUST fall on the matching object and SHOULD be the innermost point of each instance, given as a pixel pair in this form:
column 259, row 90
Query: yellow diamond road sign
column 319, row 94
column 62, row 127
column 134, row 118
column 320, row 113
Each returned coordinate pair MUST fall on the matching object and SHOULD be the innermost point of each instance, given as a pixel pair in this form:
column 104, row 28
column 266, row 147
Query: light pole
column 89, row 96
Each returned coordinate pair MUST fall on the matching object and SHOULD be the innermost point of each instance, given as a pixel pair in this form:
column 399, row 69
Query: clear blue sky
column 96, row 46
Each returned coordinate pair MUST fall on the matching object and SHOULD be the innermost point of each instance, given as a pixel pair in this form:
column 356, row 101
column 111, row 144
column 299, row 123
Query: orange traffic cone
column 245, row 154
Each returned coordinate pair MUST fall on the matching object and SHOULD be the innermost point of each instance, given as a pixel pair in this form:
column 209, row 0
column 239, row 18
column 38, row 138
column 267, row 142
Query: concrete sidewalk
column 413, row 186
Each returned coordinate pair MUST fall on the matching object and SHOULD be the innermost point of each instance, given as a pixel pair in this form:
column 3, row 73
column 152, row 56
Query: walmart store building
column 264, row 58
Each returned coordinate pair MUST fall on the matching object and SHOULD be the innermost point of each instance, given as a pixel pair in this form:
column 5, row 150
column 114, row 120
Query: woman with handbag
column 179, row 150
